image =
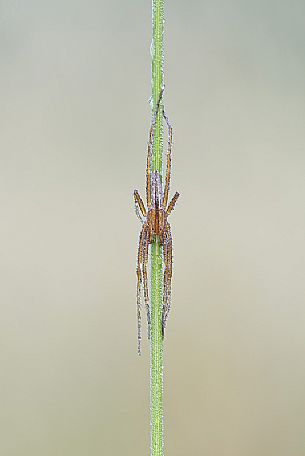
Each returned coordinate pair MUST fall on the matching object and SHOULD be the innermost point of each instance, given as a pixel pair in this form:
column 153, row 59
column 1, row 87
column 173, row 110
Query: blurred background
column 74, row 119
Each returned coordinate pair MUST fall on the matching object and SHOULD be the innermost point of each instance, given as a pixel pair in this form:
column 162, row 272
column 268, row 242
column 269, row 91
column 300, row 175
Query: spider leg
column 168, row 160
column 138, row 214
column 172, row 203
column 157, row 106
column 139, row 282
column 165, row 279
column 149, row 150
column 145, row 278
column 168, row 271
column 139, row 205
column 148, row 167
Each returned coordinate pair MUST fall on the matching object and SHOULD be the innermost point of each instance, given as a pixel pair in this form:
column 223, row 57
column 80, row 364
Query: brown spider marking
column 154, row 223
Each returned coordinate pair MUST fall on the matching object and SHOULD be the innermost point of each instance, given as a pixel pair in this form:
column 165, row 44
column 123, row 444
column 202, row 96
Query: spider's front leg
column 168, row 160
column 149, row 151
column 168, row 170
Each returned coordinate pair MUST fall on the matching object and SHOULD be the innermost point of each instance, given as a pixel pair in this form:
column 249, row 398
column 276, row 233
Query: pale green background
column 74, row 118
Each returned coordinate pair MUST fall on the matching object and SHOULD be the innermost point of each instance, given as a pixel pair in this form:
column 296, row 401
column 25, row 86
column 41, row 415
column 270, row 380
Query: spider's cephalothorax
column 154, row 223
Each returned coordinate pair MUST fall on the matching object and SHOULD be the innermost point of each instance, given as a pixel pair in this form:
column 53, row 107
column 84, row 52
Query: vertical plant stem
column 156, row 342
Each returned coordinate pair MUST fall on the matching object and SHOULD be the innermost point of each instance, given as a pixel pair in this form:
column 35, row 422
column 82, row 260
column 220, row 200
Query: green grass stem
column 156, row 341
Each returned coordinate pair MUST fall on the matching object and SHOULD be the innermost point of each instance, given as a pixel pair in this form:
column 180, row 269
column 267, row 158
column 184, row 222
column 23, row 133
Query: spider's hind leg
column 145, row 277
column 168, row 271
column 139, row 282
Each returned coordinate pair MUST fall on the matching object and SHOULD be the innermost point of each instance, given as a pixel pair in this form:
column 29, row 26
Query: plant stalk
column 156, row 341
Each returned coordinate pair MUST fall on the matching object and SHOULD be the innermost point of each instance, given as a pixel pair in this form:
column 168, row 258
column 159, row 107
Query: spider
column 155, row 224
